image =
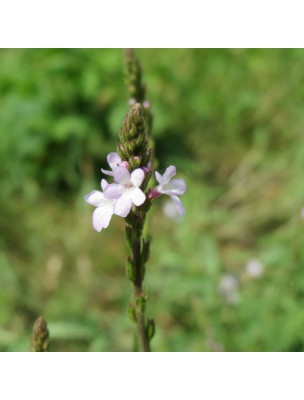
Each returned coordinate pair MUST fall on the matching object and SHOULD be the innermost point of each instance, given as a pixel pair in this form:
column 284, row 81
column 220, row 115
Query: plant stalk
column 144, row 343
column 139, row 295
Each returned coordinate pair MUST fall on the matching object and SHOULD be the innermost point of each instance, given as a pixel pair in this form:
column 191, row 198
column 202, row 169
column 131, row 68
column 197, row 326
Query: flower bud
column 40, row 336
column 154, row 193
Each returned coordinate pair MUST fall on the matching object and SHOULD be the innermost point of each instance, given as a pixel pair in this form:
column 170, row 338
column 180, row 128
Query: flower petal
column 169, row 173
column 114, row 191
column 178, row 204
column 123, row 205
column 137, row 196
column 170, row 210
column 95, row 198
column 137, row 177
column 104, row 184
column 106, row 172
column 159, row 178
column 113, row 160
column 102, row 217
column 174, row 187
column 122, row 175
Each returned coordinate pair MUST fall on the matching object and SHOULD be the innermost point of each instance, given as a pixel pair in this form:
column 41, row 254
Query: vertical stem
column 139, row 295
column 140, row 322
column 134, row 149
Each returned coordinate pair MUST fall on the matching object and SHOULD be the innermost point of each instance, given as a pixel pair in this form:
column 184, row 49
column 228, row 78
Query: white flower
column 228, row 288
column 228, row 283
column 172, row 188
column 114, row 162
column 126, row 191
column 254, row 268
column 105, row 207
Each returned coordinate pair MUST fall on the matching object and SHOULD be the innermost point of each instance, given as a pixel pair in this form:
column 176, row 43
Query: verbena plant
column 131, row 194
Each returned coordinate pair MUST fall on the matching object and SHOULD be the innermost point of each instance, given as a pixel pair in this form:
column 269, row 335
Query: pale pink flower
column 126, row 191
column 172, row 188
column 105, row 207
column 114, row 162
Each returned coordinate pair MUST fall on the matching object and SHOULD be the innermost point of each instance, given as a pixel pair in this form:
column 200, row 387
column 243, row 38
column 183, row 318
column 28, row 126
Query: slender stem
column 139, row 295
column 140, row 322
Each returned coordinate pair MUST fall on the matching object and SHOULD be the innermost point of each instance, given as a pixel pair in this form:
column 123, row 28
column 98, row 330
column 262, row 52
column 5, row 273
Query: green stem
column 144, row 343
column 134, row 148
column 138, row 278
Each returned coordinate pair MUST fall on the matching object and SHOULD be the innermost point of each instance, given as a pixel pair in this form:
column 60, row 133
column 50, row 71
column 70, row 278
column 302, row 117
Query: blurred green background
column 229, row 275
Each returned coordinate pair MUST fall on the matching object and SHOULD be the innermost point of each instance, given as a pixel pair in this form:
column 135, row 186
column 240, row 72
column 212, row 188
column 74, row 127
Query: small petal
column 174, row 187
column 137, row 196
column 123, row 205
column 95, row 198
column 159, row 178
column 137, row 177
column 169, row 173
column 106, row 172
column 122, row 175
column 113, row 160
column 114, row 191
column 104, row 184
column 178, row 204
column 102, row 217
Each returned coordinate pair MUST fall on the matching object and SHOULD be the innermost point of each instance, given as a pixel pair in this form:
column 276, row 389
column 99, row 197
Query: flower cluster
column 119, row 197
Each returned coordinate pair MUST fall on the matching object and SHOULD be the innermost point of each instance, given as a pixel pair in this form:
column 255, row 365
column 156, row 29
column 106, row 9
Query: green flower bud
column 133, row 146
column 40, row 336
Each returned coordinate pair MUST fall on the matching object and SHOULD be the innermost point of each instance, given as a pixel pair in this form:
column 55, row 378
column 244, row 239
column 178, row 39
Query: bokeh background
column 229, row 275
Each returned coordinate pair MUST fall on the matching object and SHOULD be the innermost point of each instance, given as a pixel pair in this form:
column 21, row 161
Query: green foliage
column 231, row 121
column 55, row 107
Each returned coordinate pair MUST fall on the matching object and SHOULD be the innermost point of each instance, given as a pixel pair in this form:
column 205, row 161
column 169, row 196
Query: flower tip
column 97, row 228
column 137, row 110
column 182, row 211
column 85, row 198
column 104, row 184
